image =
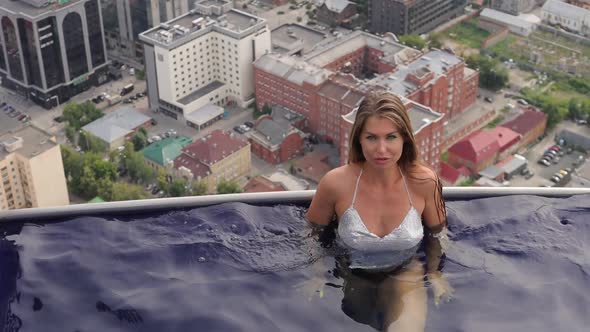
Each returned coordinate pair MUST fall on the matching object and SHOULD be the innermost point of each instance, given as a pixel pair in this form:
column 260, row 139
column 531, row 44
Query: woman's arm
column 322, row 208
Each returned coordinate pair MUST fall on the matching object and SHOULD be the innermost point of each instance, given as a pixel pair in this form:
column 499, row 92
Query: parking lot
column 568, row 158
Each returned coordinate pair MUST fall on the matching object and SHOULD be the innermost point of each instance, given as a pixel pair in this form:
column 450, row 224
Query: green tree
column 491, row 76
column 178, row 188
column 140, row 74
column 139, row 141
column 163, row 181
column 138, row 169
column 73, row 163
column 71, row 135
column 199, row 188
column 124, row 192
column 104, row 188
column 88, row 185
column 434, row 41
column 79, row 115
column 413, row 41
column 89, row 142
column 228, row 187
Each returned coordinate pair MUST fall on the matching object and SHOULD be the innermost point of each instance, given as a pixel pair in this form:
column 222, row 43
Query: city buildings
column 51, row 52
column 31, row 170
column 513, row 7
column 216, row 157
column 118, row 126
column 327, row 82
column 336, row 11
column 531, row 124
column 129, row 18
column 573, row 18
column 160, row 155
column 404, row 17
column 203, row 57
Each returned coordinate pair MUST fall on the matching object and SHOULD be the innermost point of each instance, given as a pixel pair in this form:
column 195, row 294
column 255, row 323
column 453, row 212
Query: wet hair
column 388, row 106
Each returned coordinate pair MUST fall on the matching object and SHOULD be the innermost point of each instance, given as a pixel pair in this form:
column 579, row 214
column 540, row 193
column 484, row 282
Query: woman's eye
column 370, row 138
column 392, row 137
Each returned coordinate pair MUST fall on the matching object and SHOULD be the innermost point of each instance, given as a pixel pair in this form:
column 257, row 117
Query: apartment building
column 514, row 7
column 404, row 17
column 202, row 58
column 49, row 53
column 31, row 170
column 571, row 17
column 328, row 82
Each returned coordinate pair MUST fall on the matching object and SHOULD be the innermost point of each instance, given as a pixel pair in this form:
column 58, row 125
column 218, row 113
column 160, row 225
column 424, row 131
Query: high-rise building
column 50, row 52
column 31, row 170
column 137, row 16
column 203, row 58
column 514, row 7
column 404, row 17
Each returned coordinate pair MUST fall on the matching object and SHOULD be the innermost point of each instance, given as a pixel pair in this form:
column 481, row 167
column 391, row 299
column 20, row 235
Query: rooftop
column 117, row 124
column 34, row 8
column 195, row 95
column 208, row 15
column 293, row 38
column 28, row 141
column 215, row 147
column 167, row 150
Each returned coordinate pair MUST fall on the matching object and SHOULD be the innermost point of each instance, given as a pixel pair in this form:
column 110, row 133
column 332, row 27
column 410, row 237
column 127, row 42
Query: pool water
column 517, row 263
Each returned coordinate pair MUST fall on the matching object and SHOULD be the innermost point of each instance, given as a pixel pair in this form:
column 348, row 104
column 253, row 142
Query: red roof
column 214, row 147
column 449, row 173
column 476, row 147
column 506, row 137
column 262, row 184
column 197, row 168
column 527, row 121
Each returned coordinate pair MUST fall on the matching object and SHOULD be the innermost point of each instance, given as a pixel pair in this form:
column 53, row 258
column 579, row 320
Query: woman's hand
column 312, row 287
column 442, row 290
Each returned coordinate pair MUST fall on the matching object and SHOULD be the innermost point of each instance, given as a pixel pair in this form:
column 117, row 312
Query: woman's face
column 381, row 142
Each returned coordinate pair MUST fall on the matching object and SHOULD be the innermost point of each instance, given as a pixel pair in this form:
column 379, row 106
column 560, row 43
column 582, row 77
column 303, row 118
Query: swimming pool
column 517, row 263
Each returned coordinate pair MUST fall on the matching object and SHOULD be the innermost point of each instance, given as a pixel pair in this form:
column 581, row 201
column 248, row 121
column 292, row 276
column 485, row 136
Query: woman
column 385, row 202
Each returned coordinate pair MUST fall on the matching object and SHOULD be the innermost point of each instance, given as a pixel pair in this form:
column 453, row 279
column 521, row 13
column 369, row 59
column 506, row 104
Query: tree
column 89, row 142
column 71, row 135
column 491, row 76
column 199, row 188
column 178, row 188
column 162, row 181
column 88, row 185
column 104, row 189
column 139, row 141
column 73, row 163
column 434, row 41
column 140, row 74
column 228, row 187
column 124, row 192
column 414, row 41
column 138, row 170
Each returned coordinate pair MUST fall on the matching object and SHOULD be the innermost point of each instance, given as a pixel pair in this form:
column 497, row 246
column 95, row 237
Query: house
column 476, row 152
column 218, row 156
column 274, row 138
column 117, row 127
column 336, row 11
column 530, row 125
column 451, row 176
column 507, row 140
column 161, row 155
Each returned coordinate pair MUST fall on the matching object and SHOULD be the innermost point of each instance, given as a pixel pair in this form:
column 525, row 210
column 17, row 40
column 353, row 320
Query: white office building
column 204, row 57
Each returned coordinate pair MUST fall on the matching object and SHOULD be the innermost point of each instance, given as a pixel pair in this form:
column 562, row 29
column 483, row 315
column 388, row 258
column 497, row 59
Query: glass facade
column 74, row 43
column 94, row 33
column 28, row 45
column 139, row 16
column 50, row 51
column 12, row 52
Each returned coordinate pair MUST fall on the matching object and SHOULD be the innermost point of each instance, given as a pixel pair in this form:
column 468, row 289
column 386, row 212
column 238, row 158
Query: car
column 489, row 99
column 582, row 122
column 249, row 124
column 245, row 128
column 529, row 175
column 20, row 117
column 238, row 129
column 544, row 162
column 25, row 119
column 562, row 172
column 568, row 169
column 522, row 102
column 556, row 160
column 154, row 122
column 2, row 105
column 555, row 179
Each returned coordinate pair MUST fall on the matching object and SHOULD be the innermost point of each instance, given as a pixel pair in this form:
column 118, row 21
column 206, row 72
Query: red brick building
column 476, row 152
column 274, row 138
column 530, row 125
column 329, row 82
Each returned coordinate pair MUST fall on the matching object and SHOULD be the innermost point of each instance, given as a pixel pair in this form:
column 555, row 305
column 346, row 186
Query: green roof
column 96, row 199
column 166, row 150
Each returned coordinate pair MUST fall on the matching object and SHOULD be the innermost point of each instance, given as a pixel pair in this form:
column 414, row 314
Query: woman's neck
column 381, row 177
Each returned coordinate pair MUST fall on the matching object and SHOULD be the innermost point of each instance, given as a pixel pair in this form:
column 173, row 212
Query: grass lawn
column 467, row 33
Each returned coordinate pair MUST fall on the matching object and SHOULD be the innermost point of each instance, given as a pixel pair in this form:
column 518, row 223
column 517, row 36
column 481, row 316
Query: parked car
column 249, row 124
column 239, row 129
column 489, row 99
column 529, row 175
column 522, row 102
column 544, row 162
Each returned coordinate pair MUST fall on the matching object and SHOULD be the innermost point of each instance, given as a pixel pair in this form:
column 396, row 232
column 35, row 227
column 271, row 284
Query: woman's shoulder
column 423, row 178
column 339, row 173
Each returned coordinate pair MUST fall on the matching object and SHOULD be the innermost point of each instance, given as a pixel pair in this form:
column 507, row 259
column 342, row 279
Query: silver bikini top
column 369, row 251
